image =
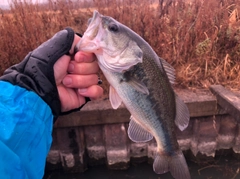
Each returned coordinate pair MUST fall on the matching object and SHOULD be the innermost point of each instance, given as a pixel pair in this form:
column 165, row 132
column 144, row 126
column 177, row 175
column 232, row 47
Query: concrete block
column 227, row 100
column 207, row 134
column 194, row 141
column 184, row 138
column 72, row 149
column 95, row 144
column 118, row 153
column 138, row 152
column 53, row 159
column 236, row 146
column 227, row 132
column 204, row 136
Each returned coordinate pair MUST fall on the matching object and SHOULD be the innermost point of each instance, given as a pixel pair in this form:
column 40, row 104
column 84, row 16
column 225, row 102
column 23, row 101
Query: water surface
column 222, row 167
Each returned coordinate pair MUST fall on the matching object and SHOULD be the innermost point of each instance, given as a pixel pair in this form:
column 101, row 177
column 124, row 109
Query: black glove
column 35, row 72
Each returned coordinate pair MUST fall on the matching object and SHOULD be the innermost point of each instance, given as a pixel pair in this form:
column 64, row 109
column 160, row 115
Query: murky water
column 223, row 167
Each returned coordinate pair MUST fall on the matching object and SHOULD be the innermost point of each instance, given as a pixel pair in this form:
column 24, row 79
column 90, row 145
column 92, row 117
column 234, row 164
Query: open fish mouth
column 96, row 14
column 86, row 43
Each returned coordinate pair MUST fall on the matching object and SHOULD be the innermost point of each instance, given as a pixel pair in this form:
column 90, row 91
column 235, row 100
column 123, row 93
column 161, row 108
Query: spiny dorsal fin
column 136, row 133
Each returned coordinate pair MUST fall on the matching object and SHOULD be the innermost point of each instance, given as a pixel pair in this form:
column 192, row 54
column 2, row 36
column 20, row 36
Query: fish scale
column 143, row 106
column 142, row 81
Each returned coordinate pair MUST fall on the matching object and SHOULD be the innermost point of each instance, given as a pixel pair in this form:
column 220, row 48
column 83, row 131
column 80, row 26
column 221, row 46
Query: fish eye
column 113, row 27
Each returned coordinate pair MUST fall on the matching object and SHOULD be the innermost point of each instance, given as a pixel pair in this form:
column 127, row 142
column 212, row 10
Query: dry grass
column 200, row 38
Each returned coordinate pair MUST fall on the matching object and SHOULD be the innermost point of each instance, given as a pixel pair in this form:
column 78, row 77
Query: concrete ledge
column 227, row 100
column 200, row 103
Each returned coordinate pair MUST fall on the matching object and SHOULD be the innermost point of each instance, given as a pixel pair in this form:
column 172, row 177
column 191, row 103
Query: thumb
column 54, row 48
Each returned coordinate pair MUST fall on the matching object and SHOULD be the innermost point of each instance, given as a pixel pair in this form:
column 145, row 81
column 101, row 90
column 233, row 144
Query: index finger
column 84, row 57
column 74, row 43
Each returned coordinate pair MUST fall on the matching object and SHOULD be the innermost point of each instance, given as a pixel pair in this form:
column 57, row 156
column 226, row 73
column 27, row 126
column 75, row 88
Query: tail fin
column 176, row 164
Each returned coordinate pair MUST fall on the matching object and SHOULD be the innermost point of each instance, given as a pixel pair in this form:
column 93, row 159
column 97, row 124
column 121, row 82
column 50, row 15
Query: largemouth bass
column 142, row 81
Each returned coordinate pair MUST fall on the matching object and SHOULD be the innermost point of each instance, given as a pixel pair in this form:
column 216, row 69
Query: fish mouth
column 96, row 15
column 88, row 42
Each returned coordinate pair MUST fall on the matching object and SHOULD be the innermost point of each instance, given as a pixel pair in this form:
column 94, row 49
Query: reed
column 200, row 38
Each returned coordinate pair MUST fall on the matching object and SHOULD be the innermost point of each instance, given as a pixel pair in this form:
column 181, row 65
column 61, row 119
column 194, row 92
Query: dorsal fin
column 170, row 71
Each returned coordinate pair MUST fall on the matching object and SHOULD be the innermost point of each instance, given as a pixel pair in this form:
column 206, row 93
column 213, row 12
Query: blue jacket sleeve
column 26, row 123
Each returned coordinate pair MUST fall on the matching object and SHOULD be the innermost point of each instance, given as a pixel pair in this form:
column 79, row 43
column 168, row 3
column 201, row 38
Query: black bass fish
column 142, row 81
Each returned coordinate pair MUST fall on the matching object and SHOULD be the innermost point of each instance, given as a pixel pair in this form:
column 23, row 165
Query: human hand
column 77, row 79
column 47, row 70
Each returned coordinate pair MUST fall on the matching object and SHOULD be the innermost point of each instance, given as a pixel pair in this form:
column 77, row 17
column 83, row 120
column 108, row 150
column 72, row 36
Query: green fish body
column 142, row 81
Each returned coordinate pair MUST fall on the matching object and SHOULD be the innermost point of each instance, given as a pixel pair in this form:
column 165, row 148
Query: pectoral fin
column 182, row 114
column 134, row 83
column 114, row 98
column 136, row 133
column 139, row 86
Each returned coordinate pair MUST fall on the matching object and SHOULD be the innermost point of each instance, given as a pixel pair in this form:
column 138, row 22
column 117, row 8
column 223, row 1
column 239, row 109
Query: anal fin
column 182, row 114
column 136, row 133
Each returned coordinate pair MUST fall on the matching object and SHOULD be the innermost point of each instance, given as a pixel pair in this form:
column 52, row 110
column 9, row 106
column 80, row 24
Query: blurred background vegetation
column 200, row 38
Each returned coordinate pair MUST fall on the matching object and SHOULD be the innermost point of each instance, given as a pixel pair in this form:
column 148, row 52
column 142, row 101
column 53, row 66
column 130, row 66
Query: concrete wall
column 98, row 135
